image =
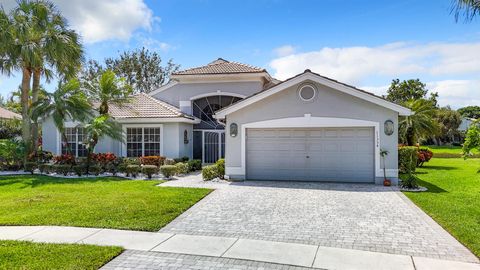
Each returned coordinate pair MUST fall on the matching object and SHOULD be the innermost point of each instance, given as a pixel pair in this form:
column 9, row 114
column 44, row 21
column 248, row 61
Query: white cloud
column 456, row 93
column 99, row 20
column 284, row 50
column 153, row 44
column 355, row 64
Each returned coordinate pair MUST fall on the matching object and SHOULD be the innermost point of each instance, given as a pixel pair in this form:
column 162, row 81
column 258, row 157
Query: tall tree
column 470, row 112
column 469, row 9
column 403, row 91
column 67, row 102
column 420, row 125
column 107, row 89
column 38, row 42
column 142, row 69
column 449, row 120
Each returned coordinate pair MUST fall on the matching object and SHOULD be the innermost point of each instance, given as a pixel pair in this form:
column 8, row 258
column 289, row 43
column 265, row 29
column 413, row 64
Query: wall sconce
column 185, row 137
column 388, row 127
column 233, row 130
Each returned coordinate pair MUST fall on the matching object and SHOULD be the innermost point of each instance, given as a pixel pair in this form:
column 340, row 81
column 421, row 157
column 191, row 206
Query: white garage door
column 317, row 154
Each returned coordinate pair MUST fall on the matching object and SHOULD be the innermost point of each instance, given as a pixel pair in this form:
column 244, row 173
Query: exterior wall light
column 185, row 137
column 233, row 130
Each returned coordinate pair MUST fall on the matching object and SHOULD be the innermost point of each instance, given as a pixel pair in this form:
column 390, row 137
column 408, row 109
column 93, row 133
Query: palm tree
column 108, row 89
column 469, row 8
column 67, row 102
column 421, row 124
column 99, row 127
column 37, row 41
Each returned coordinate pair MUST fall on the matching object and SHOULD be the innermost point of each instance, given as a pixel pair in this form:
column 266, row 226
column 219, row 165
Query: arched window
column 205, row 108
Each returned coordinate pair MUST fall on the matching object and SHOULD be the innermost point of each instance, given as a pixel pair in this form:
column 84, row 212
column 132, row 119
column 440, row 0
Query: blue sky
column 365, row 43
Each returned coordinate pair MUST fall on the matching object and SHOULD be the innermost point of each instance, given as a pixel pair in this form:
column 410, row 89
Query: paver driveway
column 356, row 216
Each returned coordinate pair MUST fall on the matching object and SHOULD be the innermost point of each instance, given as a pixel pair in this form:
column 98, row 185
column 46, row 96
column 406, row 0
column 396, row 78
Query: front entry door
column 213, row 146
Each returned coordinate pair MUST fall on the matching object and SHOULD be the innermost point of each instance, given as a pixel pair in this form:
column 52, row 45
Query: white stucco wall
column 328, row 103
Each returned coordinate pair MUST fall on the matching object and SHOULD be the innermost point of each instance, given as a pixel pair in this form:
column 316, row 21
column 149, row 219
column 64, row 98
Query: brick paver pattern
column 354, row 216
column 145, row 260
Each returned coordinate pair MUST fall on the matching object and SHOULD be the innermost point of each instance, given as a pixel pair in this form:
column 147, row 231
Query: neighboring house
column 8, row 115
column 308, row 127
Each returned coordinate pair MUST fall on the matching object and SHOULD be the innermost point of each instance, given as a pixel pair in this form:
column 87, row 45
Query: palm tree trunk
column 25, row 95
column 35, row 92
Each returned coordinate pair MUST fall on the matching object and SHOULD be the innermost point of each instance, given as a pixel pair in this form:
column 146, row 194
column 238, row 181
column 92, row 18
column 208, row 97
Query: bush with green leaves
column 45, row 168
column 79, row 170
column 220, row 167
column 168, row 170
column 407, row 159
column 409, row 181
column 133, row 170
column 210, row 172
column 11, row 154
column 194, row 165
column 30, row 167
column 149, row 170
column 95, row 169
column 62, row 169
column 182, row 168
column 112, row 168
column 169, row 161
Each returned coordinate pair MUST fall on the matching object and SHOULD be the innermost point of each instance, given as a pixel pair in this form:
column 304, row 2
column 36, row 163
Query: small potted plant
column 386, row 182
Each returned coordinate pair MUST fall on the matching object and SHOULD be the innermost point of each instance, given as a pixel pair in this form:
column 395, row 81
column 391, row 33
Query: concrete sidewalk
column 310, row 256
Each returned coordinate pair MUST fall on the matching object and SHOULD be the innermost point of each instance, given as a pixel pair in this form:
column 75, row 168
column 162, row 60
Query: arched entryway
column 209, row 135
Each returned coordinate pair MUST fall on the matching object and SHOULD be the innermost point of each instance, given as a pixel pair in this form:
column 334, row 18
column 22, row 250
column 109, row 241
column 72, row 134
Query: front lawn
column 450, row 151
column 28, row 255
column 103, row 202
column 453, row 197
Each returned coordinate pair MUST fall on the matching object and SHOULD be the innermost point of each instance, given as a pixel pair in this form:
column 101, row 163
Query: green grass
column 28, row 255
column 92, row 202
column 448, row 151
column 453, row 197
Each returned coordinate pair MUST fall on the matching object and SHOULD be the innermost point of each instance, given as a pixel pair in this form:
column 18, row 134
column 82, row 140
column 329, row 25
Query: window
column 307, row 92
column 75, row 137
column 143, row 142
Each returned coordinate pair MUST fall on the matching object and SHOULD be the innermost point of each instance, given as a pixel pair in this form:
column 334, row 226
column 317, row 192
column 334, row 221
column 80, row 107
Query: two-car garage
column 311, row 154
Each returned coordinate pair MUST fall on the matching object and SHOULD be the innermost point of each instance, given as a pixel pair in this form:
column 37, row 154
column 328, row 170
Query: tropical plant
column 468, row 8
column 35, row 39
column 470, row 111
column 449, row 120
column 402, row 91
column 67, row 102
column 384, row 154
column 97, row 128
column 108, row 89
column 472, row 139
column 420, row 125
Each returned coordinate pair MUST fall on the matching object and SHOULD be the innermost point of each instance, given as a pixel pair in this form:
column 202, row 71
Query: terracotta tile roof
column 221, row 66
column 145, row 106
column 6, row 114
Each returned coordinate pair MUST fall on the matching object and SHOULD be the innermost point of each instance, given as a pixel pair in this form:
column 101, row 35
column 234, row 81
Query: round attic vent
column 307, row 92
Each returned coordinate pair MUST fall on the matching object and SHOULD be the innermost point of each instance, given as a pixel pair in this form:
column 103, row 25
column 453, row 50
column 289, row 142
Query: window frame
column 76, row 142
column 143, row 127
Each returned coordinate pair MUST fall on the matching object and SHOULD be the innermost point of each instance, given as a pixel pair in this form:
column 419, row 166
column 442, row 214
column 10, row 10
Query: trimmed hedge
column 221, row 167
column 407, row 159
column 210, row 172
column 79, row 169
column 133, row 170
column 182, row 168
column 149, row 170
column 62, row 169
column 30, row 167
column 168, row 170
column 194, row 165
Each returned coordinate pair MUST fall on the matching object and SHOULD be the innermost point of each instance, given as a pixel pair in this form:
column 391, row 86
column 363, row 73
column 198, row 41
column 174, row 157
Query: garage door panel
column 319, row 154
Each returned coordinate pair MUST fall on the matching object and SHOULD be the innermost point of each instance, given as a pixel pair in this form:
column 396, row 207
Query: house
column 465, row 124
column 308, row 127
column 8, row 115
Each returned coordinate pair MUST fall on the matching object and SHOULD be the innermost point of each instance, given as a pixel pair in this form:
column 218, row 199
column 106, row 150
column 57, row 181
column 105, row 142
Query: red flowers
column 424, row 155
column 65, row 159
column 103, row 157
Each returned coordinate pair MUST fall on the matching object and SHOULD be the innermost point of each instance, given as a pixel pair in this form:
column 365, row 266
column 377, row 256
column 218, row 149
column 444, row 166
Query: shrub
column 210, row 172
column 11, row 154
column 152, row 160
column 79, row 169
column 112, row 168
column 181, row 159
column 96, row 169
column 168, row 170
column 169, row 161
column 30, row 167
column 149, row 170
column 133, row 170
column 45, row 168
column 62, row 169
column 194, row 165
column 182, row 168
column 65, row 159
column 407, row 159
column 220, row 167
column 40, row 156
column 408, row 180
column 424, row 155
